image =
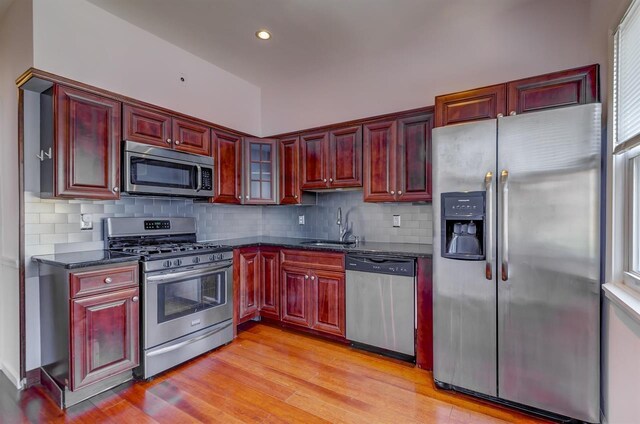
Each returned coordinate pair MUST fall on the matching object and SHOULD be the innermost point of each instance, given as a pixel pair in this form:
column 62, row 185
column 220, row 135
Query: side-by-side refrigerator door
column 549, row 260
column 464, row 163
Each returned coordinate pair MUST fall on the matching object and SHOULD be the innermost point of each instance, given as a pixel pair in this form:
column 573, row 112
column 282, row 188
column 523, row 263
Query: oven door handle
column 216, row 329
column 186, row 274
column 199, row 186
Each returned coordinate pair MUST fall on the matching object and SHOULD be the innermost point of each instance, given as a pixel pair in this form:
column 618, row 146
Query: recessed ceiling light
column 263, row 34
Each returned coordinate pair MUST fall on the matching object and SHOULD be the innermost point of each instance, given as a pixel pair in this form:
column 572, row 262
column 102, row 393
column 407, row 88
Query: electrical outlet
column 86, row 221
column 300, row 219
column 396, row 220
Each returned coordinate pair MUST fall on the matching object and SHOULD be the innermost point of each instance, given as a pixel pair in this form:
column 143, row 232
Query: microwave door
column 145, row 174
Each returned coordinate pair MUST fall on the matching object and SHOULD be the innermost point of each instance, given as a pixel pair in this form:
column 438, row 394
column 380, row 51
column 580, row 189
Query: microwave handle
column 199, row 177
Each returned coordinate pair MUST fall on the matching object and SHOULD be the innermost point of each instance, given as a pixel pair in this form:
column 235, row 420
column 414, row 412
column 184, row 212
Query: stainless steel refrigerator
column 518, row 318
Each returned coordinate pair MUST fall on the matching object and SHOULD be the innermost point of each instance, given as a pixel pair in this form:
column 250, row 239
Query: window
column 626, row 138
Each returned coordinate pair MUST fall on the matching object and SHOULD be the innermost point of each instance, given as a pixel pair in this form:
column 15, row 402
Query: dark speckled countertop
column 74, row 260
column 397, row 249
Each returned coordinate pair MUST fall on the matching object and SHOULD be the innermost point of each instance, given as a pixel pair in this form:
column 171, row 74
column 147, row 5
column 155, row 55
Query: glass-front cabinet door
column 261, row 178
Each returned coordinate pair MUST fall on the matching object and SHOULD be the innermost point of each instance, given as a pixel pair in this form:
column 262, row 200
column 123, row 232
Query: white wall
column 16, row 55
column 474, row 44
column 78, row 40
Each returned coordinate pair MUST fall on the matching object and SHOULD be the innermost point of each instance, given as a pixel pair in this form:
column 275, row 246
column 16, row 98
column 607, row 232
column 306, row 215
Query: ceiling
column 308, row 36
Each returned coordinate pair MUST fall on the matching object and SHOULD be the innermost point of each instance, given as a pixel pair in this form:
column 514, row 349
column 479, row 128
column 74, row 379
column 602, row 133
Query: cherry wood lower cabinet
column 328, row 302
column 248, row 264
column 296, row 296
column 256, row 283
column 90, row 320
column 270, row 283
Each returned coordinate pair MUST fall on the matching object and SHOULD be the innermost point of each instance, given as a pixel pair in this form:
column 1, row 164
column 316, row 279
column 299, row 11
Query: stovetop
column 150, row 251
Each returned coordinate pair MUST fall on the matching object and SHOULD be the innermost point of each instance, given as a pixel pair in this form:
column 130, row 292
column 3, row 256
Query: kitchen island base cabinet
column 89, row 329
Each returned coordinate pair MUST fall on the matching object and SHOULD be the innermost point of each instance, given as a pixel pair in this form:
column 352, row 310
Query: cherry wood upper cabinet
column 270, row 283
column 104, row 336
column 296, row 292
column 147, row 126
column 414, row 158
column 314, row 149
column 86, row 149
column 380, row 145
column 329, row 302
column 227, row 157
column 260, row 168
column 154, row 127
column 471, row 105
column 191, row 137
column 565, row 88
column 290, row 193
column 345, row 157
column 249, row 284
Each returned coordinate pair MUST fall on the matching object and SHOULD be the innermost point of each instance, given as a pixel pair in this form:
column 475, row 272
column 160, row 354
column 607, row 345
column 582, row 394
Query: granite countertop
column 74, row 260
column 398, row 249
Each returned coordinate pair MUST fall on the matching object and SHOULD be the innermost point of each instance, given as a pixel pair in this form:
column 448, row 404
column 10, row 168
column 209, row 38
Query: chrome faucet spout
column 342, row 229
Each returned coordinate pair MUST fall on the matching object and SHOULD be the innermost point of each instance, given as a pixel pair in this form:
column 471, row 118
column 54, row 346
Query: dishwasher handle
column 381, row 265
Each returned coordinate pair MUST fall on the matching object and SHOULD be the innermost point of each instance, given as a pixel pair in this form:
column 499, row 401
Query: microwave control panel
column 207, row 179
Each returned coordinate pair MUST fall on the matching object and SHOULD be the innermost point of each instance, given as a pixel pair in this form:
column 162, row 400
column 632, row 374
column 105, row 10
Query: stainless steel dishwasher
column 380, row 304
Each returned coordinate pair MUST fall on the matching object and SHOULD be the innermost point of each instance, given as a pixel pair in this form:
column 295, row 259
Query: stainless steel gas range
column 187, row 289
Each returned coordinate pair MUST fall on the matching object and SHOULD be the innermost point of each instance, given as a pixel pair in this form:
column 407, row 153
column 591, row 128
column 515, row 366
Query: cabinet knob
column 330, row 180
column 399, row 191
column 169, row 140
column 306, row 277
column 313, row 278
column 246, row 197
column 325, row 180
column 500, row 115
column 135, row 299
column 177, row 141
column 116, row 189
column 512, row 113
column 393, row 192
column 295, row 196
column 108, row 280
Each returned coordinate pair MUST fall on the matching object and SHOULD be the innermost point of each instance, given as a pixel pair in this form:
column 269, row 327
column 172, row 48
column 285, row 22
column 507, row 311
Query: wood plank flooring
column 270, row 375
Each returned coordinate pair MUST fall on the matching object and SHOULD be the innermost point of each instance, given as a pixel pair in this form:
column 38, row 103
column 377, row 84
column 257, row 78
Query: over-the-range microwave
column 149, row 170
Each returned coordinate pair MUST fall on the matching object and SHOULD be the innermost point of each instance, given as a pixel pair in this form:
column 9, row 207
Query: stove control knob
column 196, row 260
column 166, row 264
column 177, row 262
column 211, row 257
column 220, row 256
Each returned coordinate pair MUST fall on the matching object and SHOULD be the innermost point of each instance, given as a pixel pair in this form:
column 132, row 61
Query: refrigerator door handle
column 488, row 184
column 504, row 177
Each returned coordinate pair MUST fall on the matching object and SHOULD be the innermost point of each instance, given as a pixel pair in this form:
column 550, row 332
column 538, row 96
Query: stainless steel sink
column 329, row 243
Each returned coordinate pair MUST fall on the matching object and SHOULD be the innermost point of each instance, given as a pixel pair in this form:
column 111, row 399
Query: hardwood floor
column 270, row 375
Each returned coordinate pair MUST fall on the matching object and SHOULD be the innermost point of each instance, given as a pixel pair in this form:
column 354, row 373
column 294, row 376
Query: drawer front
column 103, row 280
column 313, row 259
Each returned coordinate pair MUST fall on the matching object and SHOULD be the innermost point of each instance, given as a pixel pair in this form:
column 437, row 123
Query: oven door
column 180, row 303
column 166, row 175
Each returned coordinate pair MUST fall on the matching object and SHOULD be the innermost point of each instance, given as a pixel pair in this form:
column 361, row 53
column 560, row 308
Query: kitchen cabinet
column 332, row 159
column 313, row 291
column 82, row 132
column 90, row 322
column 153, row 127
column 248, row 263
column 397, row 159
column 227, row 158
column 289, row 165
column 270, row 283
column 557, row 89
column 260, row 168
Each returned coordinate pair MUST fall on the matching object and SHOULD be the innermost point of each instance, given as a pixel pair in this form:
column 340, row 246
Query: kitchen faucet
column 342, row 228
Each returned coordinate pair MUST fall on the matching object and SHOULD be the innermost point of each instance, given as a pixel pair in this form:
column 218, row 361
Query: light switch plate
column 301, row 219
column 396, row 220
column 86, row 221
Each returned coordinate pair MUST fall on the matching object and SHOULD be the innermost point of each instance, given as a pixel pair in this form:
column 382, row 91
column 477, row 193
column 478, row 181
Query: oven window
column 152, row 172
column 179, row 298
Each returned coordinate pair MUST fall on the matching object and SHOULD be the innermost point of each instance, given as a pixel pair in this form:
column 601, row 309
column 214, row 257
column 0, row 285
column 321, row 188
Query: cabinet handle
column 135, row 299
column 246, row 197
column 512, row 113
column 499, row 115
column 400, row 192
column 177, row 141
column 393, row 192
column 295, row 196
column 116, row 189
column 108, row 280
column 330, row 180
column 313, row 278
column 169, row 140
column 306, row 277
column 325, row 180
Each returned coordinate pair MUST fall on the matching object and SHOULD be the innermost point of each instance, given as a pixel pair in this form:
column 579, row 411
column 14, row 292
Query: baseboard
column 11, row 375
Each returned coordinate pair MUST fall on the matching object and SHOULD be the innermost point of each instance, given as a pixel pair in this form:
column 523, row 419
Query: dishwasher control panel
column 381, row 265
